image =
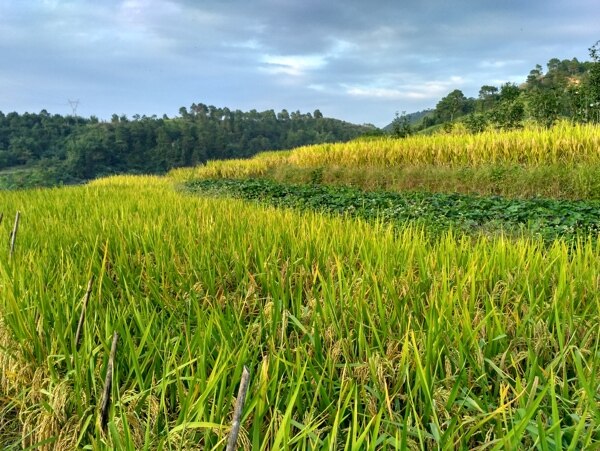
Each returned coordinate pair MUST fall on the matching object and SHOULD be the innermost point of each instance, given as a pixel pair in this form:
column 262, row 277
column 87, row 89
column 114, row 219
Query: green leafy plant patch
column 548, row 218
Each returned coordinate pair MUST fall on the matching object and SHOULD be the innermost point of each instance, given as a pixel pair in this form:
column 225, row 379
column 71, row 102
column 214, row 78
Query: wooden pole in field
column 237, row 412
column 1, row 216
column 86, row 298
column 13, row 235
column 104, row 406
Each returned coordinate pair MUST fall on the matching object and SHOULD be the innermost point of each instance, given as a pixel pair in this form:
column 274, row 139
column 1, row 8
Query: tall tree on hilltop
column 452, row 105
column 594, row 82
column 488, row 95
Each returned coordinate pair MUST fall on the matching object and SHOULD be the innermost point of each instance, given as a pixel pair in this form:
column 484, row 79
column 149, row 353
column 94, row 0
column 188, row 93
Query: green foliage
column 569, row 89
column 543, row 105
column 452, row 106
column 509, row 92
column 508, row 115
column 593, row 85
column 547, row 218
column 488, row 95
column 476, row 122
column 401, row 126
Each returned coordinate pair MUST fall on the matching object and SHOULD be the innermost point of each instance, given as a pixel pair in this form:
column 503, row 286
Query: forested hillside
column 44, row 149
column 566, row 89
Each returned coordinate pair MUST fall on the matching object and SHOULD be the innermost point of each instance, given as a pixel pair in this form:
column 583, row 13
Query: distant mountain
column 413, row 118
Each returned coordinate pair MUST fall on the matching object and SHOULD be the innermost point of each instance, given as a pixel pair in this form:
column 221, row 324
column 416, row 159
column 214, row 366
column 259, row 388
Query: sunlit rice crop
column 239, row 168
column 563, row 144
column 357, row 336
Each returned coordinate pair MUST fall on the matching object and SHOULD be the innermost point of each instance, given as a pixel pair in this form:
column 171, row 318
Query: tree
column 452, row 105
column 183, row 112
column 509, row 114
column 509, row 92
column 22, row 149
column 543, row 105
column 554, row 65
column 593, row 85
column 535, row 76
column 88, row 153
column 401, row 126
column 476, row 122
column 488, row 95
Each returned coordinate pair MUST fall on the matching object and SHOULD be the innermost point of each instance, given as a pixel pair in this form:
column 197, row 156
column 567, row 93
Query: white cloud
column 488, row 64
column 293, row 65
column 250, row 44
column 415, row 90
column 362, row 91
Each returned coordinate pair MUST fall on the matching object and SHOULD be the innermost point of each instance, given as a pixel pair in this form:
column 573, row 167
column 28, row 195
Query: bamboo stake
column 83, row 308
column 108, row 383
column 237, row 412
column 13, row 235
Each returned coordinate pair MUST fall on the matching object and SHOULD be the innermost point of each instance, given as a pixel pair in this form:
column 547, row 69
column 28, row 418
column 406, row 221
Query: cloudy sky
column 353, row 59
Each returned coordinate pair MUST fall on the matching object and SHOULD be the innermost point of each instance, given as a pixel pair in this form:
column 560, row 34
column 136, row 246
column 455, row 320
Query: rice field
column 561, row 162
column 564, row 143
column 356, row 335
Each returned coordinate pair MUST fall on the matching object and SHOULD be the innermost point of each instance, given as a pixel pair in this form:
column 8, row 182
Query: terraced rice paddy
column 358, row 333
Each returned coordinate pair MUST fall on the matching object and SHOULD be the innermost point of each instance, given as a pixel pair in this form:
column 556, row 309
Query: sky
column 360, row 61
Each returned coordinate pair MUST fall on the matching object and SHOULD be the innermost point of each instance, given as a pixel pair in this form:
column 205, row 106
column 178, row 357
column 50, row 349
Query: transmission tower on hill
column 74, row 104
